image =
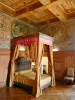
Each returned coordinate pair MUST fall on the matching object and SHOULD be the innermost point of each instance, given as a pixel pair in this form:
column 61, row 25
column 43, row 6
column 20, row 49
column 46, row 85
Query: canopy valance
column 39, row 38
column 26, row 41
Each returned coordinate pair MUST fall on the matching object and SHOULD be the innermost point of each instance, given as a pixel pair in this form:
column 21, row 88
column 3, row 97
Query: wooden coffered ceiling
column 39, row 11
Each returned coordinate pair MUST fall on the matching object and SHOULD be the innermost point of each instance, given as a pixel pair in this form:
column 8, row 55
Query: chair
column 70, row 75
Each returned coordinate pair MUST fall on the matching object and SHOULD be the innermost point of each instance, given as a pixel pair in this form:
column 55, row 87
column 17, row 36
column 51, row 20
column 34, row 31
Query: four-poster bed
column 34, row 50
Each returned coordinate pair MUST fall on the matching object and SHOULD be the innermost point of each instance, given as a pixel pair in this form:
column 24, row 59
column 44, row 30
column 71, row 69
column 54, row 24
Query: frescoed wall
column 10, row 29
column 5, row 31
column 63, row 33
column 19, row 29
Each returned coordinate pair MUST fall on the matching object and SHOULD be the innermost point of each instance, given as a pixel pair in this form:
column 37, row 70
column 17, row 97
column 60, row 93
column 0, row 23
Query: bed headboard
column 21, row 63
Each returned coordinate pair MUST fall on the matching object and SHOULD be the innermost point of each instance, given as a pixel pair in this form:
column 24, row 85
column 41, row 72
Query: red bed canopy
column 26, row 41
column 39, row 38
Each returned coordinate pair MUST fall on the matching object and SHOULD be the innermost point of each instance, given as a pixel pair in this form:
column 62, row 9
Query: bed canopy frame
column 36, row 44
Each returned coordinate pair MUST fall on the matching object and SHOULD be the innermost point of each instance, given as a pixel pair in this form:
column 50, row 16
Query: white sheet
column 45, row 79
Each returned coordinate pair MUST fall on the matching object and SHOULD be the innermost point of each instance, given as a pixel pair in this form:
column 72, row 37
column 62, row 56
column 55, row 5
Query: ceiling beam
column 1, row 3
column 53, row 20
column 72, row 3
column 53, row 7
column 26, row 5
column 21, row 13
column 59, row 13
column 56, row 9
column 45, row 2
column 7, row 10
column 71, row 15
column 30, row 19
column 21, row 21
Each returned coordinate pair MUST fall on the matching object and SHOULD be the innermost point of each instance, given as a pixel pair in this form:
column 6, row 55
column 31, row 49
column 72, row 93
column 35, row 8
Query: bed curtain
column 12, row 70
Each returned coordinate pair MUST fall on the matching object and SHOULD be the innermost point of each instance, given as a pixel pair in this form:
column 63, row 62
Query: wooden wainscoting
column 62, row 60
column 4, row 61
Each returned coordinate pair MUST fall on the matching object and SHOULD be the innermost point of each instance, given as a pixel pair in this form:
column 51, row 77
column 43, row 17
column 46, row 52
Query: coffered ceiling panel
column 40, row 15
column 68, row 5
column 17, row 4
column 39, row 11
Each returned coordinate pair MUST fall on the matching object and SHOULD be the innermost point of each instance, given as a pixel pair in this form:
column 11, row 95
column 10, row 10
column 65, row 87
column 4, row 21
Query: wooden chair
column 70, row 75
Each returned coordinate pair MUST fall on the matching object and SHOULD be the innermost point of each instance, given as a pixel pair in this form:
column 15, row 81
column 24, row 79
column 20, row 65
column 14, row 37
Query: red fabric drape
column 26, row 41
